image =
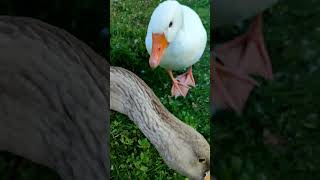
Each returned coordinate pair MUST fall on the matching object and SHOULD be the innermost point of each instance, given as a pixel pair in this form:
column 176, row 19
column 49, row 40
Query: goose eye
column 170, row 24
column 202, row 160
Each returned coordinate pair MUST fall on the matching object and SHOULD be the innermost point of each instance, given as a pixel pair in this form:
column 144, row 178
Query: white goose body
column 187, row 45
column 229, row 12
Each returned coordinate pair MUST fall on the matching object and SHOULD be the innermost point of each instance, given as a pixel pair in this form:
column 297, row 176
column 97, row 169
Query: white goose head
column 165, row 23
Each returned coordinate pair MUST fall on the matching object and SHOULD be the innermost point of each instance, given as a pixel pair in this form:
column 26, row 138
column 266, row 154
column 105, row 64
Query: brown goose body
column 182, row 147
column 53, row 99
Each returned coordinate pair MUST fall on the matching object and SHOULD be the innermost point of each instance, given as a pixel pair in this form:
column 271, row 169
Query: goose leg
column 178, row 88
column 247, row 53
column 187, row 78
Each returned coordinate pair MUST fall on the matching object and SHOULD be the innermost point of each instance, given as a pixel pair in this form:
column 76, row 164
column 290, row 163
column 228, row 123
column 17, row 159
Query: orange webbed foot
column 247, row 54
column 187, row 78
column 179, row 89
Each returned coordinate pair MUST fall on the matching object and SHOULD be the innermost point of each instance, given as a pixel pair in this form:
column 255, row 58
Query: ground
column 277, row 136
column 132, row 155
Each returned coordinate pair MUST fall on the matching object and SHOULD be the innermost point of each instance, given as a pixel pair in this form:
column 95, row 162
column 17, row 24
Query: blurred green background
column 85, row 19
column 277, row 137
column 132, row 155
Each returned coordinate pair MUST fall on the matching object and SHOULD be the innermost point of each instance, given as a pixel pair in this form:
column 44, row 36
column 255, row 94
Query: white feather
column 188, row 44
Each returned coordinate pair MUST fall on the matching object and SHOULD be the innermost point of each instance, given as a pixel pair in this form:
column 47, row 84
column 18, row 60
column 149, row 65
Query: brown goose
column 181, row 146
column 53, row 99
column 54, row 102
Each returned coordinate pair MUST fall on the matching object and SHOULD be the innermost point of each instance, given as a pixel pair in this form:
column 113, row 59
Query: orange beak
column 159, row 45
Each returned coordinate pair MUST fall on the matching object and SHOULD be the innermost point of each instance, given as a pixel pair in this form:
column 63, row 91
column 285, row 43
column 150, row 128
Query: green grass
column 132, row 155
column 287, row 107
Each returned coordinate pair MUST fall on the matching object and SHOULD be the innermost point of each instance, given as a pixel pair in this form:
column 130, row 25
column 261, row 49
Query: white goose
column 176, row 39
